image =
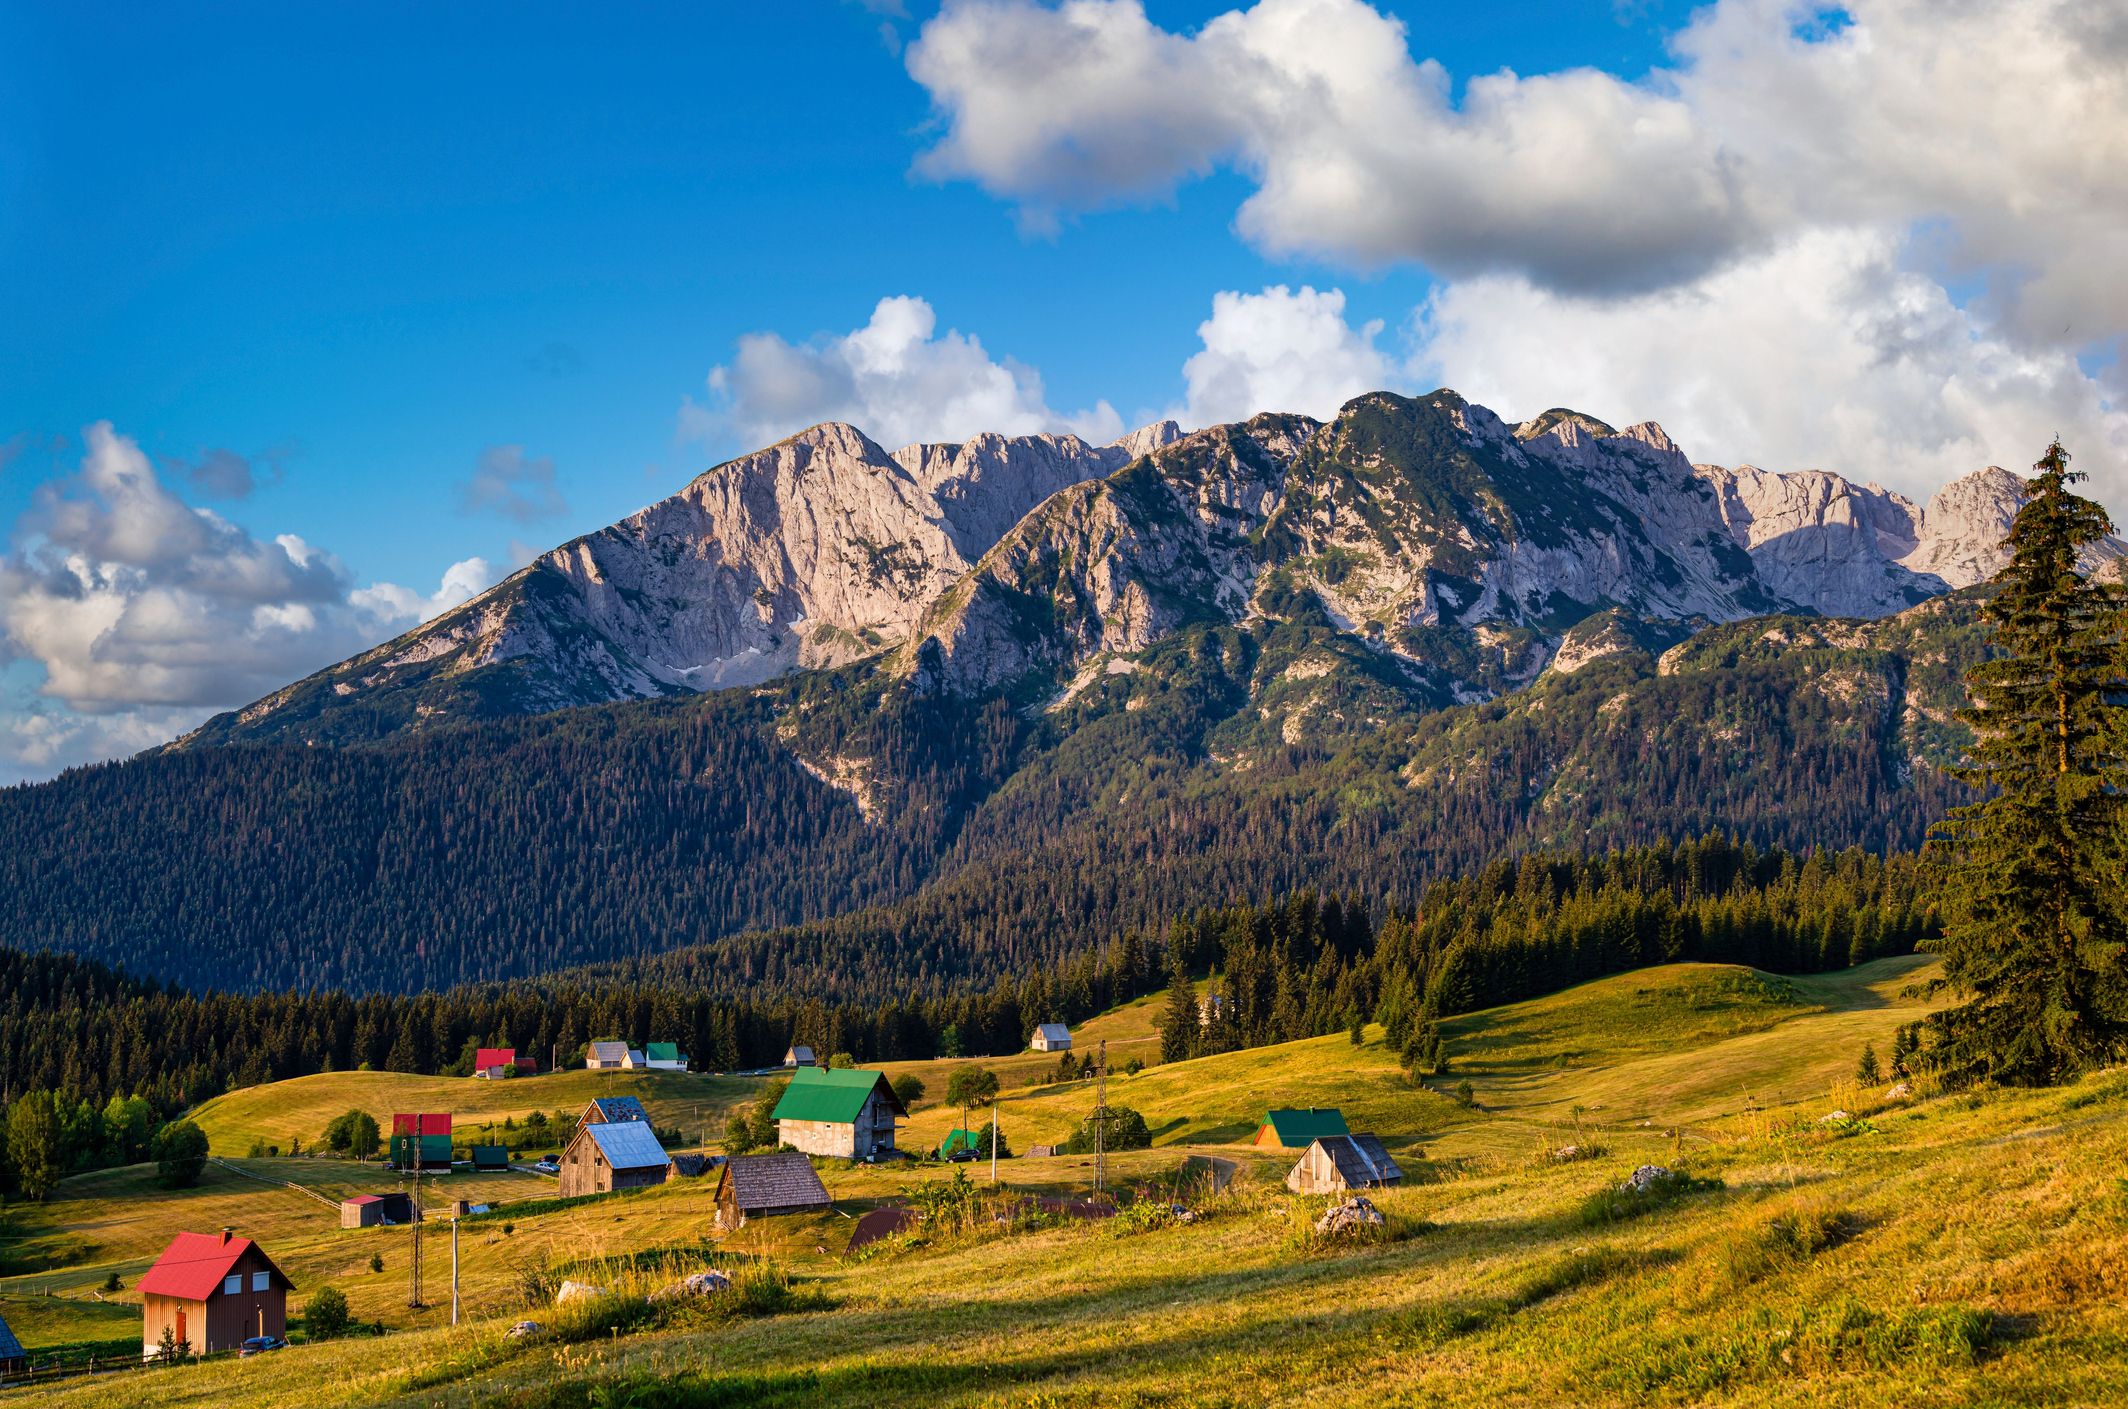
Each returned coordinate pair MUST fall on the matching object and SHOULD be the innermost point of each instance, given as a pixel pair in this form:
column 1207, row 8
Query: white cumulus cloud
column 896, row 378
column 1281, row 350
column 141, row 614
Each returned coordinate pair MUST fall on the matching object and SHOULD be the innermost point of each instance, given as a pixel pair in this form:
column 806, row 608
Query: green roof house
column 1296, row 1128
column 848, row 1114
column 664, row 1056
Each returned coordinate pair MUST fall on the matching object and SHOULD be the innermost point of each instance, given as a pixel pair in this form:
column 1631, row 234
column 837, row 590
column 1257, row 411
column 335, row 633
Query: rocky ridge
column 1472, row 555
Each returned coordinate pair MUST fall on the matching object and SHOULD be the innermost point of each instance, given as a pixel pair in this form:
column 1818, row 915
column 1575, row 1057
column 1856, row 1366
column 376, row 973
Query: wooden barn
column 211, row 1292
column 606, row 1056
column 1295, row 1128
column 376, row 1210
column 1051, row 1037
column 849, row 1114
column 692, row 1166
column 613, row 1108
column 614, row 1154
column 1337, row 1164
column 798, row 1055
column 491, row 1159
column 759, row 1186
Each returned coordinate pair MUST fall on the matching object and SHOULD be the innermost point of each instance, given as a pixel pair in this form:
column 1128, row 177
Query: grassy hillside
column 1949, row 1250
column 300, row 1108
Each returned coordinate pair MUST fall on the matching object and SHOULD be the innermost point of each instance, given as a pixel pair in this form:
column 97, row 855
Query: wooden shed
column 607, row 1155
column 798, row 1055
column 849, row 1114
column 1296, row 1127
column 491, row 1159
column 1337, row 1164
column 692, row 1166
column 362, row 1211
column 759, row 1186
column 606, row 1056
column 211, row 1293
column 1051, row 1037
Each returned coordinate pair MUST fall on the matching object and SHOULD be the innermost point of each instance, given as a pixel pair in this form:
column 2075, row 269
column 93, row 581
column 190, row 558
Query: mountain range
column 835, row 719
column 1463, row 548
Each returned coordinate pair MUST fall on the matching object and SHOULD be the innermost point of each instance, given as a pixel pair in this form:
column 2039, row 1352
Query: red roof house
column 211, row 1293
column 493, row 1062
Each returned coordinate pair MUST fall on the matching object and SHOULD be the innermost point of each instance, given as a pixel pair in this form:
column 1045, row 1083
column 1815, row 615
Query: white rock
column 694, row 1284
column 578, row 1291
column 1350, row 1216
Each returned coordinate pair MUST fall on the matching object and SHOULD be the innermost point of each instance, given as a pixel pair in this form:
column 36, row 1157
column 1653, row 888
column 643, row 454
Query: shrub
column 1786, row 1240
column 1621, row 1202
column 376, row 1262
column 112, row 1284
column 1133, row 1067
column 180, row 1150
column 325, row 1314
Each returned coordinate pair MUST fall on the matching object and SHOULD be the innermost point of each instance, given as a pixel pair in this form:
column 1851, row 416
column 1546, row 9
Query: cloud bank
column 143, row 614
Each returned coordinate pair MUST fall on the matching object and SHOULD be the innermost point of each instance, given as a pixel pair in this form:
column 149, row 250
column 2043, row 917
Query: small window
column 233, row 1284
column 261, row 1281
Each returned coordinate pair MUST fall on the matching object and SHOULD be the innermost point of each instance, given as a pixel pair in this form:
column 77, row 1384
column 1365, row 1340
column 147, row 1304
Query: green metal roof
column 1298, row 1127
column 819, row 1093
column 662, row 1051
column 960, row 1140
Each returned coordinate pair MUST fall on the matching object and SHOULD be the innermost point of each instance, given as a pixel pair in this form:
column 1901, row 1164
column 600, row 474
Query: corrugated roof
column 1053, row 1032
column 799, row 1053
column 817, row 1093
column 193, row 1266
column 363, row 1199
column 1298, row 1127
column 486, row 1057
column 628, row 1144
column 10, row 1348
column 618, row 1108
column 662, row 1051
column 693, row 1166
column 784, row 1180
column 607, row 1051
column 434, row 1123
column 1361, row 1159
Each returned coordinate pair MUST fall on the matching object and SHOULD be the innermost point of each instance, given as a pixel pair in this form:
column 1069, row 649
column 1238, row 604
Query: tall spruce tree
column 2031, row 885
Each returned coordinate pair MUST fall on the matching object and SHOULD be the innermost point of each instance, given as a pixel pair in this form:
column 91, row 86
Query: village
column 216, row 1292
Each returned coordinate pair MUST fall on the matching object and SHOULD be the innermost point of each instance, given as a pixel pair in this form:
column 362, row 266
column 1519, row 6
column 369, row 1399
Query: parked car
column 548, row 1166
column 259, row 1345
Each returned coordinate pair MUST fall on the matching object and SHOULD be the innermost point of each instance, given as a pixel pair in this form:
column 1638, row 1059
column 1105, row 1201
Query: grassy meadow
column 1940, row 1250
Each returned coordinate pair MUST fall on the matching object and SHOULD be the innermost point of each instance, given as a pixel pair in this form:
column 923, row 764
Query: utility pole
column 993, row 1142
column 413, row 1292
column 1101, row 1116
column 454, row 1264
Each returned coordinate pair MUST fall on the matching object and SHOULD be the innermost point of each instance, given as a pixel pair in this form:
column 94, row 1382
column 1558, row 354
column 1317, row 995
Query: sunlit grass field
column 1945, row 1250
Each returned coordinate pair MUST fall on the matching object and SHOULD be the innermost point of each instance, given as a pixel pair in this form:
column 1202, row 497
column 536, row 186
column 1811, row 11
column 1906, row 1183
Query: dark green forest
column 1300, row 966
column 999, row 836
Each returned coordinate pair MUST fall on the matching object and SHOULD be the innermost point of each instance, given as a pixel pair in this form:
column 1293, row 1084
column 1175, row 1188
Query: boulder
column 522, row 1329
column 1351, row 1216
column 1645, row 1178
column 1832, row 1117
column 1900, row 1091
column 1566, row 1154
column 577, row 1291
column 693, row 1284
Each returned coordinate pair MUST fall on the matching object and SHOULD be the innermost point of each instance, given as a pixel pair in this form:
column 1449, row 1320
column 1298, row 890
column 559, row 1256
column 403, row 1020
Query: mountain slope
column 1456, row 544
column 820, row 549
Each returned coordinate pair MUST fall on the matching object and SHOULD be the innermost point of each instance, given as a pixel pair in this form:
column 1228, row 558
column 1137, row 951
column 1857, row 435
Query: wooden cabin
column 1051, row 1037
column 603, row 1156
column 612, row 1108
column 848, row 1114
column 759, row 1186
column 211, row 1293
column 606, row 1056
column 1338, row 1164
column 799, row 1055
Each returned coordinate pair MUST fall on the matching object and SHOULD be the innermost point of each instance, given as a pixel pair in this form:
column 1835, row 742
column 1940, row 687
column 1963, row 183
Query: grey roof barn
column 1334, row 1164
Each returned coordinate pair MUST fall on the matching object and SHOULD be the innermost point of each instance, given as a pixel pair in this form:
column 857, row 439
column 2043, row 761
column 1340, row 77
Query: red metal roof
column 364, row 1199
column 193, row 1266
column 421, row 1124
column 486, row 1057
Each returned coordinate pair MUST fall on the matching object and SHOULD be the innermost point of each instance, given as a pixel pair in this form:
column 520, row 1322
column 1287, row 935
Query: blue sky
column 362, row 247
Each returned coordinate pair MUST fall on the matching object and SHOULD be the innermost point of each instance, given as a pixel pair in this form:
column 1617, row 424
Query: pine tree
column 1178, row 1025
column 2031, row 885
column 1867, row 1070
